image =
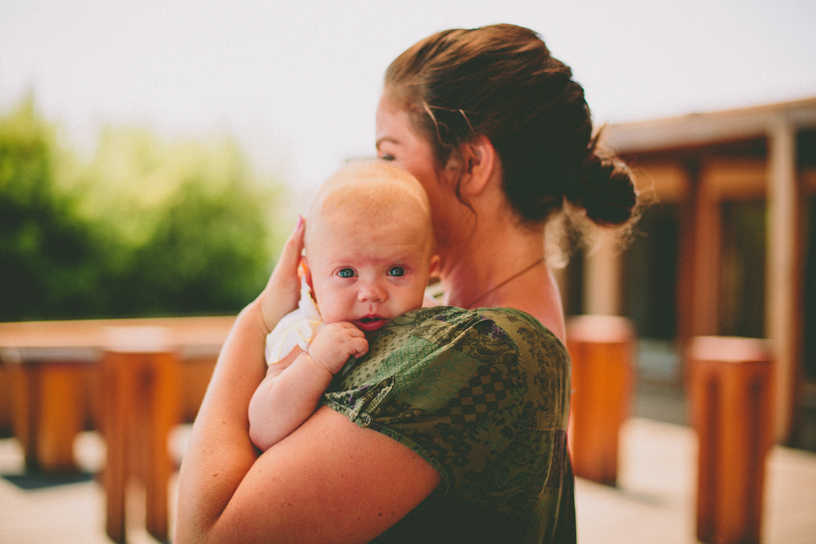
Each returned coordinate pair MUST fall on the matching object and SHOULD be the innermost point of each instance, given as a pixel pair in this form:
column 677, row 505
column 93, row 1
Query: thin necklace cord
column 505, row 282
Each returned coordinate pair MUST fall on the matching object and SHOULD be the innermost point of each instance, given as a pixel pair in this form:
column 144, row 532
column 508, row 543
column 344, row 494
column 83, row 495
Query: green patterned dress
column 482, row 395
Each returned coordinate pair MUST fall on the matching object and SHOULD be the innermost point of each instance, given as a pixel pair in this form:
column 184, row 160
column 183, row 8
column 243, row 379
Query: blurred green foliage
column 143, row 227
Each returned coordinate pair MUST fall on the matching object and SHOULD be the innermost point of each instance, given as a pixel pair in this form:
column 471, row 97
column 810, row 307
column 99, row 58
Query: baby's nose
column 371, row 291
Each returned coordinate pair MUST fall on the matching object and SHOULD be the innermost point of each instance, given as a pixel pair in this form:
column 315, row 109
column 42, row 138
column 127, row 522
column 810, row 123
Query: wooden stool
column 730, row 390
column 601, row 348
column 48, row 396
column 141, row 384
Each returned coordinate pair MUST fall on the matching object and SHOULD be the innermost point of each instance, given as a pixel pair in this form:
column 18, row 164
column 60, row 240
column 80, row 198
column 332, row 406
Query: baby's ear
column 307, row 272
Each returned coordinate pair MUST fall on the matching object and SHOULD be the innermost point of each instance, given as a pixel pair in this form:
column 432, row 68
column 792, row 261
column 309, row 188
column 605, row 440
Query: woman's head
column 501, row 82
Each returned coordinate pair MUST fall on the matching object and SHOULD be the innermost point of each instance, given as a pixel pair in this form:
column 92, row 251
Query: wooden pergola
column 698, row 162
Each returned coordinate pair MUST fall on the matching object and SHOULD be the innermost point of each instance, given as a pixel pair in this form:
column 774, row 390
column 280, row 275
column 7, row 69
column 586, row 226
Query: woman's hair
column 500, row 81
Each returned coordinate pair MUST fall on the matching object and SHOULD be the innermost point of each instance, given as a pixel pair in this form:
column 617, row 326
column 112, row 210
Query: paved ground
column 654, row 502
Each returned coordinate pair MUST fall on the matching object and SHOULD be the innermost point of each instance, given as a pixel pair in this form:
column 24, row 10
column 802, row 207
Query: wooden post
column 602, row 276
column 783, row 291
column 601, row 348
column 705, row 253
column 140, row 381
column 730, row 391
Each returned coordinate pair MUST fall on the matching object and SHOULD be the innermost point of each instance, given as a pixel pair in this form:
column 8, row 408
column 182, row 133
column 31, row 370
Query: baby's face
column 367, row 273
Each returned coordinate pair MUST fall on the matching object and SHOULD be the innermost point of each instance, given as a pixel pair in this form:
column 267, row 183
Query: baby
column 367, row 259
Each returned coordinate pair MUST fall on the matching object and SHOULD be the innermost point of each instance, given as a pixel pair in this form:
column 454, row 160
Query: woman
column 500, row 137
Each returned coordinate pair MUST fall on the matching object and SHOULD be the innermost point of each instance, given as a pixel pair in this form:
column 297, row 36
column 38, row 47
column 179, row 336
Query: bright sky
column 298, row 82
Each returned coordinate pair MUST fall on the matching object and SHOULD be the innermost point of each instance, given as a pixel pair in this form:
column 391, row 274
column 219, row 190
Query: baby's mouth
column 370, row 323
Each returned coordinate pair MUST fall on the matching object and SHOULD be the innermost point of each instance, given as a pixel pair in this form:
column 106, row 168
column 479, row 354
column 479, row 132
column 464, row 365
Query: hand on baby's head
column 335, row 343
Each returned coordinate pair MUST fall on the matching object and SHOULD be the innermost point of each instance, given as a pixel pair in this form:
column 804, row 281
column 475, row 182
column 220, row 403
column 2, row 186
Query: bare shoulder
column 329, row 480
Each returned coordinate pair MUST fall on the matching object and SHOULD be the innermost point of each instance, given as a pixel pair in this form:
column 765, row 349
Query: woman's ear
column 479, row 161
column 434, row 264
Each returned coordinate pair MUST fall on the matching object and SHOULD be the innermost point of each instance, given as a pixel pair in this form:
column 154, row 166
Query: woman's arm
column 220, row 453
column 330, row 480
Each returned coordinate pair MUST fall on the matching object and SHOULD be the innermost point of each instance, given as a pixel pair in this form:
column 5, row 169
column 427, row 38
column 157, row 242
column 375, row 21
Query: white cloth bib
column 297, row 328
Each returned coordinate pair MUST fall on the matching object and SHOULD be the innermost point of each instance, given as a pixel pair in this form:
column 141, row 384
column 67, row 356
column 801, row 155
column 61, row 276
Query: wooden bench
column 48, row 390
column 140, row 376
column 137, row 364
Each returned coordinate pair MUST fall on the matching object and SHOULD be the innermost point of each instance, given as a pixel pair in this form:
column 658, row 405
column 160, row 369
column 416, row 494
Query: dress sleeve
column 481, row 395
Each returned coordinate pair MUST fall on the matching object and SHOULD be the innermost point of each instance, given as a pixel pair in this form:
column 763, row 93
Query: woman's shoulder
column 524, row 328
column 442, row 340
column 444, row 336
column 451, row 325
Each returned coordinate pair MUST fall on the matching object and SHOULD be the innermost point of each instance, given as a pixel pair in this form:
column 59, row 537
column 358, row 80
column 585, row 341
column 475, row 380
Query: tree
column 47, row 252
column 145, row 227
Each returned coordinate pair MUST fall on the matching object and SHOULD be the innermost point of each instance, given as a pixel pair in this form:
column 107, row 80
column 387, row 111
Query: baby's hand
column 335, row 343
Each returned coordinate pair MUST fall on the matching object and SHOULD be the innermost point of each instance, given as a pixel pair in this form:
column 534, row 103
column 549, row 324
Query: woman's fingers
column 290, row 257
column 283, row 289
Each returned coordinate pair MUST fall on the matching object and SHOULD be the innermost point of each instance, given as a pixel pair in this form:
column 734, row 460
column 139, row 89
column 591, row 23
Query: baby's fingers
column 360, row 345
column 352, row 340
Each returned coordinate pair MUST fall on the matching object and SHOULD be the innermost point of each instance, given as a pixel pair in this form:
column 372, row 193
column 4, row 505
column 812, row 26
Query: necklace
column 505, row 282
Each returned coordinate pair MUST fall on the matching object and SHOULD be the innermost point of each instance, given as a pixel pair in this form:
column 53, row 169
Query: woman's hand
column 282, row 291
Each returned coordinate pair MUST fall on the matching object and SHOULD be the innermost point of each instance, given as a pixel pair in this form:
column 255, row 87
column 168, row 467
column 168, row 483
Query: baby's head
column 369, row 244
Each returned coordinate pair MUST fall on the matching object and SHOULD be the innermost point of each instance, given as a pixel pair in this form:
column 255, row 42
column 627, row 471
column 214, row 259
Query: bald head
column 373, row 192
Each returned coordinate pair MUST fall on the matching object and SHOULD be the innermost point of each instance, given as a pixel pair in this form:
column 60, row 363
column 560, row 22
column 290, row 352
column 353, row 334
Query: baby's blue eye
column 386, row 157
column 396, row 271
column 346, row 273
